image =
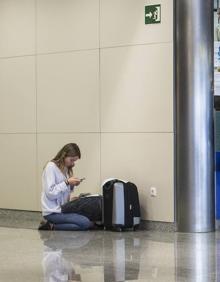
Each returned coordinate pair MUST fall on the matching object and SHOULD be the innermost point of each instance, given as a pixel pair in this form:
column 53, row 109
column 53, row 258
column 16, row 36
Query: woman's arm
column 51, row 188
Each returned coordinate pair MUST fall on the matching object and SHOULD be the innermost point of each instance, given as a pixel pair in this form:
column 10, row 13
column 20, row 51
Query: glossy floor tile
column 30, row 255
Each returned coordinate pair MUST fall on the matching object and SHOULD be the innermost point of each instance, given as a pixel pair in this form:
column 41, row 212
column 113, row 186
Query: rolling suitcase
column 121, row 208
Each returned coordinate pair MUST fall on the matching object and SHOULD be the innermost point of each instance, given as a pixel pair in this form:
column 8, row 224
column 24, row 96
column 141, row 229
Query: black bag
column 121, row 208
column 89, row 206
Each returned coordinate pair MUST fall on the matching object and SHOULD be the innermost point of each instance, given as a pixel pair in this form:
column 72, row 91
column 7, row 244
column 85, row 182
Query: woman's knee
column 85, row 223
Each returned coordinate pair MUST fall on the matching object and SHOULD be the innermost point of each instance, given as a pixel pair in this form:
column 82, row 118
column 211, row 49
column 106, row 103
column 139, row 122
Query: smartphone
column 81, row 179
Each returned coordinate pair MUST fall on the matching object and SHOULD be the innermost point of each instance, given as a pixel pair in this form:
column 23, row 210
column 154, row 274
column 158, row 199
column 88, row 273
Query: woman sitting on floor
column 57, row 184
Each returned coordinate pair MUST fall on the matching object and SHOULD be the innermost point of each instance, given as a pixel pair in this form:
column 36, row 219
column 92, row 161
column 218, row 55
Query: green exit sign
column 152, row 14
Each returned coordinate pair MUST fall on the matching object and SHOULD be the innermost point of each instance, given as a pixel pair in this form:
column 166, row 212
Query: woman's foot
column 45, row 225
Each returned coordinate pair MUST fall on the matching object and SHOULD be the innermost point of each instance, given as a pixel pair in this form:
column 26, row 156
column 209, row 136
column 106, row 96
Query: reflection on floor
column 30, row 255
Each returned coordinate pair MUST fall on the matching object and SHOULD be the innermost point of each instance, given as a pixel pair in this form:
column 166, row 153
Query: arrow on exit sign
column 152, row 14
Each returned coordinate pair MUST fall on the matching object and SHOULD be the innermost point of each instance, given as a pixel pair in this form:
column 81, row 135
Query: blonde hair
column 68, row 150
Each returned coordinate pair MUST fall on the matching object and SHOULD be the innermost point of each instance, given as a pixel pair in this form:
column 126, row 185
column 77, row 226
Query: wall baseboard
column 158, row 226
column 20, row 219
column 31, row 219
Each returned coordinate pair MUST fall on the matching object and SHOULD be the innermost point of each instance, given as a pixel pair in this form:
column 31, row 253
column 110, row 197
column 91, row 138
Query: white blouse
column 55, row 192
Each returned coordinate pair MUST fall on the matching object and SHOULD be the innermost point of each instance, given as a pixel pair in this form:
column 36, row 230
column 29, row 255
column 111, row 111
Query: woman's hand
column 74, row 181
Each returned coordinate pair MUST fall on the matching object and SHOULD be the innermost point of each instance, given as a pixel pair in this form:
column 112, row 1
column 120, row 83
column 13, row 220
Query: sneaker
column 45, row 225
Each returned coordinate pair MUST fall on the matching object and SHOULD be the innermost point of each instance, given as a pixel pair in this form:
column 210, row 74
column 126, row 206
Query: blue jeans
column 69, row 221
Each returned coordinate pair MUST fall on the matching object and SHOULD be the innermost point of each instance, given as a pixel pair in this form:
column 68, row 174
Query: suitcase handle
column 109, row 184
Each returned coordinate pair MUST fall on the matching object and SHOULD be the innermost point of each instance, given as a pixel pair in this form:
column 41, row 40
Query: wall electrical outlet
column 153, row 191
